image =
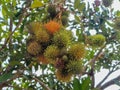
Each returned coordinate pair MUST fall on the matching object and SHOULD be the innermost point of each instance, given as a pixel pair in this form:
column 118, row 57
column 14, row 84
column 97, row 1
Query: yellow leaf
column 36, row 4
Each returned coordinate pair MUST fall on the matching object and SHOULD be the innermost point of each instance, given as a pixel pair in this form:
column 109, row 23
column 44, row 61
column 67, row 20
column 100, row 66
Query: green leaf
column 81, row 6
column 36, row 4
column 118, row 13
column 86, row 83
column 76, row 84
column 76, row 4
column 5, row 76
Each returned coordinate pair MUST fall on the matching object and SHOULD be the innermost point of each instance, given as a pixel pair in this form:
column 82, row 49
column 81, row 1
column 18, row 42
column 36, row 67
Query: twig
column 41, row 83
column 109, row 83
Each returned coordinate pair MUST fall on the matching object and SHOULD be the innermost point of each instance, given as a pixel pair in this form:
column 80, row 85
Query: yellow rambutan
column 42, row 59
column 51, row 53
column 34, row 26
column 96, row 40
column 52, row 26
column 76, row 51
column 63, row 76
column 34, row 48
column 74, row 66
column 42, row 35
column 62, row 38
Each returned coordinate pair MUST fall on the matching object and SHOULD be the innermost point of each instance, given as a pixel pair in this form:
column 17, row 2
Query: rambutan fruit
column 51, row 9
column 42, row 35
column 34, row 26
column 52, row 26
column 34, row 48
column 74, row 66
column 107, row 3
column 63, row 75
column 59, row 64
column 51, row 53
column 96, row 40
column 76, row 51
column 62, row 38
column 42, row 60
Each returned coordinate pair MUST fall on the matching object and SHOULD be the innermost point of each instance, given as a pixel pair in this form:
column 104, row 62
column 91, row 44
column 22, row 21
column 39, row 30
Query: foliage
column 37, row 52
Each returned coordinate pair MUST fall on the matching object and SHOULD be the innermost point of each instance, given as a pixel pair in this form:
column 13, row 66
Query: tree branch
column 109, row 83
column 41, row 83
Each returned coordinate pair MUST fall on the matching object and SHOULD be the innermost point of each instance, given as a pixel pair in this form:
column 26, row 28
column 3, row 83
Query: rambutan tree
column 58, row 44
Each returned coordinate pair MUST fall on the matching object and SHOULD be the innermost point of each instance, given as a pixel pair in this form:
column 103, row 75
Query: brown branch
column 24, row 13
column 42, row 84
column 109, row 83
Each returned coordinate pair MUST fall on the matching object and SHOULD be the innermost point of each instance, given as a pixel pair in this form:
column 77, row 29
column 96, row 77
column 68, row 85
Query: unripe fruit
column 34, row 48
column 42, row 59
column 52, row 26
column 42, row 35
column 96, row 40
column 51, row 9
column 59, row 64
column 34, row 26
column 76, row 51
column 107, row 3
column 75, row 67
column 62, row 38
column 63, row 75
column 51, row 53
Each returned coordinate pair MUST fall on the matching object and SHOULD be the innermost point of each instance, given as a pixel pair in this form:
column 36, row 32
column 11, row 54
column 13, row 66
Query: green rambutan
column 75, row 67
column 42, row 35
column 34, row 48
column 62, row 38
column 51, row 53
column 96, row 40
column 76, row 51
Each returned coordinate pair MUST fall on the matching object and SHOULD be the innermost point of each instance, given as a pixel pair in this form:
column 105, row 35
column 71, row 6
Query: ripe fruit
column 96, row 40
column 107, row 3
column 76, row 51
column 75, row 67
column 34, row 48
column 51, row 53
column 62, row 38
column 52, row 26
column 63, row 75
column 42, row 35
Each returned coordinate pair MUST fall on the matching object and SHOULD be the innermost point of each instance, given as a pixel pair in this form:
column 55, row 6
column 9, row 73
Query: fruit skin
column 42, row 35
column 76, row 51
column 34, row 26
column 51, row 53
column 51, row 9
column 34, row 48
column 52, row 26
column 62, row 38
column 107, row 3
column 41, row 59
column 96, row 40
column 74, row 66
column 63, row 75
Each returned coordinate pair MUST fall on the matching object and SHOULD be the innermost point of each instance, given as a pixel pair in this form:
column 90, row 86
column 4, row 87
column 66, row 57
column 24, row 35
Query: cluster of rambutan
column 51, row 43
